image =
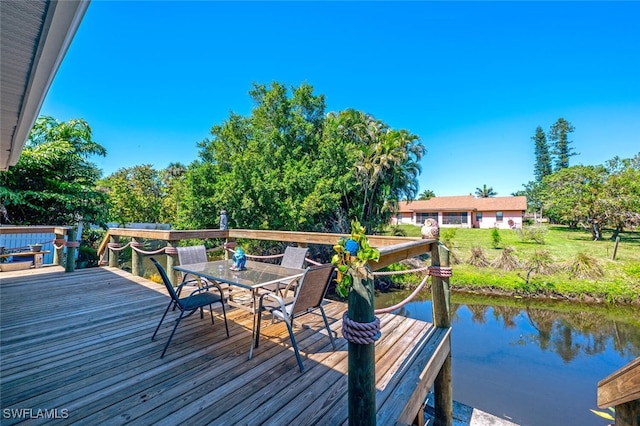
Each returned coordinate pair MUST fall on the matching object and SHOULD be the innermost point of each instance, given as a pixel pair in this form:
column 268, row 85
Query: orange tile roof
column 464, row 203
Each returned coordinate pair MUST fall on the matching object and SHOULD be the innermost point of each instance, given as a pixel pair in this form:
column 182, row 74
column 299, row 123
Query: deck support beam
column 443, row 390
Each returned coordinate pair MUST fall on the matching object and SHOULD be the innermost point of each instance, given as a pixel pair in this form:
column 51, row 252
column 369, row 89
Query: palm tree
column 485, row 192
column 426, row 194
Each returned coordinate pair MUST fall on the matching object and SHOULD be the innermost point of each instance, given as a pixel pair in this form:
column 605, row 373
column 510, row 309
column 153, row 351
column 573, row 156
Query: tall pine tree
column 559, row 135
column 542, row 166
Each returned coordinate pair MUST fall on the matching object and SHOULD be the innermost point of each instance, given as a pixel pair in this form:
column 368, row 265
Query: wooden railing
column 58, row 243
column 622, row 391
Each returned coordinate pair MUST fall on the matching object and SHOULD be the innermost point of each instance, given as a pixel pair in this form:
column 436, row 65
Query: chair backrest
column 191, row 254
column 312, row 288
column 166, row 281
column 294, row 257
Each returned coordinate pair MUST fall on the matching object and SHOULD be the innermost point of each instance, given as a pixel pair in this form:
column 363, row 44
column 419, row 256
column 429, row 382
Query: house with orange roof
column 464, row 211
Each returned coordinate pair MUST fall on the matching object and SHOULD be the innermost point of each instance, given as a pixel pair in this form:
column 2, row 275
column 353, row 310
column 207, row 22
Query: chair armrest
column 275, row 298
column 212, row 284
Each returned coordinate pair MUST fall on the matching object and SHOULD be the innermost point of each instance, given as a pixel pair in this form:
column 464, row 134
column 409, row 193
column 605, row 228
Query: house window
column 454, row 218
column 421, row 217
column 498, row 216
column 478, row 216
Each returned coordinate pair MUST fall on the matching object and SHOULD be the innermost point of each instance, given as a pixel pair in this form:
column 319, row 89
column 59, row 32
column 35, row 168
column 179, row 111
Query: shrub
column 585, row 267
column 478, row 257
column 535, row 233
column 397, row 231
column 495, row 238
column 507, row 260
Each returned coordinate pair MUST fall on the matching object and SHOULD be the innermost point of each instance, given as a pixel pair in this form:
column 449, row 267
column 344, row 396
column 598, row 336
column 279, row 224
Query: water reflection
column 534, row 363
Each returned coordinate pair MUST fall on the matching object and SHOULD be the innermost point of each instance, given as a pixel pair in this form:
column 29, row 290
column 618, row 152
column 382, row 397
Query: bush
column 495, row 238
column 535, row 233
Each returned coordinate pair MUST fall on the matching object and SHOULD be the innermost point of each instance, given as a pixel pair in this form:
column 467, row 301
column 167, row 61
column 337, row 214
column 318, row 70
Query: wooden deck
column 77, row 346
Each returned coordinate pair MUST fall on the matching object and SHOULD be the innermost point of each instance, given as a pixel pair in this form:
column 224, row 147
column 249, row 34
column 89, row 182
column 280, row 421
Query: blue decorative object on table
column 239, row 259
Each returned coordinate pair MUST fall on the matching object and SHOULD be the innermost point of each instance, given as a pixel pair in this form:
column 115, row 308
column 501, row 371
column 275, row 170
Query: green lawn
column 620, row 281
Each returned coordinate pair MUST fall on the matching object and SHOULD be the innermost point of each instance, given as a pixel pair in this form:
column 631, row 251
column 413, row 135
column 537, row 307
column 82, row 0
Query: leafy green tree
column 621, row 194
column 533, row 190
column 134, row 194
column 266, row 169
column 172, row 179
column 427, row 194
column 485, row 192
column 53, row 183
column 573, row 196
column 559, row 136
column 386, row 165
column 542, row 166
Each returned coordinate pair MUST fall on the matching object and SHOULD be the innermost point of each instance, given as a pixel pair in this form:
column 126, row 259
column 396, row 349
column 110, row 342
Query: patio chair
column 198, row 299
column 293, row 257
column 309, row 296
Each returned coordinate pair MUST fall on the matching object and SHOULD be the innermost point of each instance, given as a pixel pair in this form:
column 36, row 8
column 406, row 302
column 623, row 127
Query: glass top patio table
column 254, row 276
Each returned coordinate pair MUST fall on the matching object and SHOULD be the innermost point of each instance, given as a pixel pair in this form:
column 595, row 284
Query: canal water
column 529, row 362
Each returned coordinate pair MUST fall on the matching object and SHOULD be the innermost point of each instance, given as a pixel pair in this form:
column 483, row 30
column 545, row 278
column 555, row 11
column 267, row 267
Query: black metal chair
column 309, row 296
column 198, row 298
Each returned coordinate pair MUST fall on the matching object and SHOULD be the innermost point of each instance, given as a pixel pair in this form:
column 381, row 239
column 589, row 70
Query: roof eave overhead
column 44, row 29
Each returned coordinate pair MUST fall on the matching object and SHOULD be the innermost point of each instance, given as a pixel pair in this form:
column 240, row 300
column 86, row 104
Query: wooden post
column 72, row 245
column 361, row 376
column 136, row 258
column 443, row 391
column 171, row 261
column 628, row 414
column 113, row 254
column 58, row 253
column 615, row 247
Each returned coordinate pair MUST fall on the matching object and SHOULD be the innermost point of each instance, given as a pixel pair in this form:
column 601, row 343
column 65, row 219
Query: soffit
column 35, row 36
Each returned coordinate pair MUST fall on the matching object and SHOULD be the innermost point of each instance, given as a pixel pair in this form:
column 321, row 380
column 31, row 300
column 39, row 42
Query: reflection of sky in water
column 503, row 369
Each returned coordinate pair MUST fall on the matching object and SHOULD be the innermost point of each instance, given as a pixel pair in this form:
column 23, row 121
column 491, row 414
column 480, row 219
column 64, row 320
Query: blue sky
column 472, row 80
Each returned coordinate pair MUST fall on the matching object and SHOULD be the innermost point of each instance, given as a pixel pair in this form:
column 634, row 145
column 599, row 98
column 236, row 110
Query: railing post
column 113, row 254
column 361, row 364
column 58, row 249
column 72, row 246
column 171, row 253
column 443, row 392
column 136, row 258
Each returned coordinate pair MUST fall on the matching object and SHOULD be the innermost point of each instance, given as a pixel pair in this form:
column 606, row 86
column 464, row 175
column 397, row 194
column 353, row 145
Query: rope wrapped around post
column 170, row 250
column 72, row 244
column 361, row 333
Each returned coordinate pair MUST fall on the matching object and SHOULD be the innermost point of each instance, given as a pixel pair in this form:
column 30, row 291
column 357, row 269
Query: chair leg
column 295, row 346
column 224, row 315
column 162, row 319
column 326, row 323
column 172, row 332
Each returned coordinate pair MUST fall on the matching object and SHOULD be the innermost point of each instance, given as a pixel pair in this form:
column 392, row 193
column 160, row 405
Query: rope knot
column 170, row 250
column 362, row 333
column 113, row 245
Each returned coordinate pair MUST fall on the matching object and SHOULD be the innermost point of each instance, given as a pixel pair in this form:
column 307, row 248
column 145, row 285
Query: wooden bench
column 37, row 256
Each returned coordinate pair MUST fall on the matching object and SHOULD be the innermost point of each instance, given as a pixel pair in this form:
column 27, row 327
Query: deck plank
column 84, row 345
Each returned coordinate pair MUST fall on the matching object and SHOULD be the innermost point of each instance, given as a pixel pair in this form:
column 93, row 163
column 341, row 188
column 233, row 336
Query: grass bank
column 553, row 268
